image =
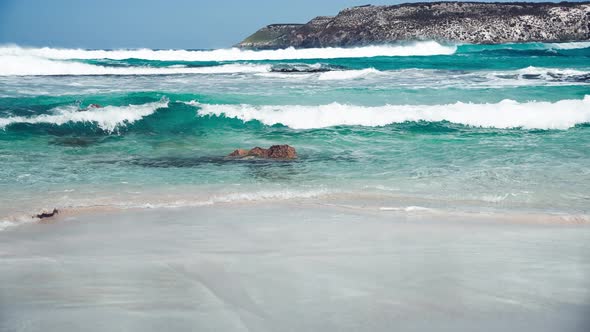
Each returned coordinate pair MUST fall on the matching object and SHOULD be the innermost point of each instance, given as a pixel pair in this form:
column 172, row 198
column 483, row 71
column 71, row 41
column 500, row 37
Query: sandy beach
column 293, row 266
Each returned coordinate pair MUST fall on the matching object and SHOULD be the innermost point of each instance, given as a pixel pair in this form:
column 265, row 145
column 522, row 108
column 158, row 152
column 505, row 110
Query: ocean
column 437, row 187
column 449, row 127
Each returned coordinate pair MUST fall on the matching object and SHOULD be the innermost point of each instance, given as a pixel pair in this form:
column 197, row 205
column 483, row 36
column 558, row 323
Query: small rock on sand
column 46, row 214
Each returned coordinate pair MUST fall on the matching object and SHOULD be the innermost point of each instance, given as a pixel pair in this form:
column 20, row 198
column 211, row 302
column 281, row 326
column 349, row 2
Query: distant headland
column 465, row 22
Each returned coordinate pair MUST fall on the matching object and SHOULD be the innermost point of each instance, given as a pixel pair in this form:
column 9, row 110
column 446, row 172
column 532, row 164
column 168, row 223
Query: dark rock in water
column 578, row 78
column 45, row 214
column 284, row 152
column 465, row 22
column 531, row 76
column 299, row 70
column 304, row 68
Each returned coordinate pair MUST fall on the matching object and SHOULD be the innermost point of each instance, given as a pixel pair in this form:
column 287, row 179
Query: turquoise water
column 504, row 127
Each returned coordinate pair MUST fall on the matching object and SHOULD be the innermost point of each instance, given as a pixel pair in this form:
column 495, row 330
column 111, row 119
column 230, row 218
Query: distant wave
column 522, row 47
column 530, row 75
column 556, row 74
column 233, row 54
column 12, row 65
column 544, row 70
column 322, row 73
column 107, row 118
column 563, row 114
column 441, row 78
column 570, row 46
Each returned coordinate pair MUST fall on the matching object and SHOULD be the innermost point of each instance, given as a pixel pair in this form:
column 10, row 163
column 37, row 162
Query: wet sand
column 288, row 266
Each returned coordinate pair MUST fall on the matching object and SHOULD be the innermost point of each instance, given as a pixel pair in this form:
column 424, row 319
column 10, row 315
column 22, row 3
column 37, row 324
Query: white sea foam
column 537, row 76
column 4, row 224
column 287, row 76
column 347, row 74
column 405, row 209
column 544, row 71
column 562, row 114
column 12, row 65
column 203, row 199
column 238, row 197
column 16, row 220
column 497, row 198
column 419, row 48
column 570, row 46
column 107, row 118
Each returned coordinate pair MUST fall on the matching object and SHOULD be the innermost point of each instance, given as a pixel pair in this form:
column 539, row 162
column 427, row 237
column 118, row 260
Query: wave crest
column 35, row 66
column 570, row 46
column 562, row 114
column 234, row 54
column 108, row 118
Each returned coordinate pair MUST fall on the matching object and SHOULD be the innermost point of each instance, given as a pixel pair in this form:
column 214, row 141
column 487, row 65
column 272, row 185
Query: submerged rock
column 285, row 152
column 46, row 214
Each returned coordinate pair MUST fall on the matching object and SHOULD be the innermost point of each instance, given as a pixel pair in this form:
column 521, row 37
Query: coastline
column 443, row 21
column 369, row 203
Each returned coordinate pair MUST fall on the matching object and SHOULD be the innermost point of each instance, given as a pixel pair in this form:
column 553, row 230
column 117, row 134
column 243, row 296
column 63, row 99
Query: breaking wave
column 554, row 74
column 107, row 118
column 570, row 46
column 13, row 65
column 562, row 114
column 234, row 54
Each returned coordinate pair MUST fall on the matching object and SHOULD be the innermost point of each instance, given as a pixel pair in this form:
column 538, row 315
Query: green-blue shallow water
column 473, row 127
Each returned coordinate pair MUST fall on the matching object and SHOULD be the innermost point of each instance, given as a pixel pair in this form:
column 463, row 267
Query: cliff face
column 467, row 22
column 270, row 36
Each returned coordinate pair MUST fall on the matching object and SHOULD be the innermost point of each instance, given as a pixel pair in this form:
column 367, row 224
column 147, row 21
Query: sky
column 160, row 24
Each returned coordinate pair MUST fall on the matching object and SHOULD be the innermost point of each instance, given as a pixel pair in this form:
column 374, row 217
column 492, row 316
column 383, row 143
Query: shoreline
column 368, row 207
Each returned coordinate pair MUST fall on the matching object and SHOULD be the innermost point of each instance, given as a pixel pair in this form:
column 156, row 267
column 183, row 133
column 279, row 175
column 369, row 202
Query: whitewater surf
column 379, row 121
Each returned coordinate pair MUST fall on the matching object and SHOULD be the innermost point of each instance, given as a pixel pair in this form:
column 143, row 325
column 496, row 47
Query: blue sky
column 152, row 23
